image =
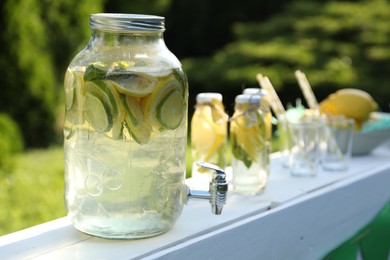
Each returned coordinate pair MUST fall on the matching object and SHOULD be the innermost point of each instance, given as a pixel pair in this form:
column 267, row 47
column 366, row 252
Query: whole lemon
column 353, row 103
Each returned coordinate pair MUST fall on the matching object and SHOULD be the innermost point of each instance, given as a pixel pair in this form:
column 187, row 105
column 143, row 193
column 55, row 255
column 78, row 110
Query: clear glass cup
column 337, row 143
column 304, row 156
column 284, row 139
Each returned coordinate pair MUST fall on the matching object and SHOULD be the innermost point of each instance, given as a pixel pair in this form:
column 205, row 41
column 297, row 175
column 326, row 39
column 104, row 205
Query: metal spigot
column 218, row 188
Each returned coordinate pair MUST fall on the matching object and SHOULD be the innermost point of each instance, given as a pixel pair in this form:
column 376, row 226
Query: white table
column 295, row 218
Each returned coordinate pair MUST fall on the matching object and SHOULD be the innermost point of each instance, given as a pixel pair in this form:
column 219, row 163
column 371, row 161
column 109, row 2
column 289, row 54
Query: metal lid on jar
column 254, row 91
column 248, row 98
column 206, row 97
column 126, row 22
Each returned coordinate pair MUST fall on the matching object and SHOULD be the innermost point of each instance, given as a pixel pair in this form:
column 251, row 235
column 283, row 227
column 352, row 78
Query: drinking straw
column 307, row 90
column 274, row 100
column 313, row 104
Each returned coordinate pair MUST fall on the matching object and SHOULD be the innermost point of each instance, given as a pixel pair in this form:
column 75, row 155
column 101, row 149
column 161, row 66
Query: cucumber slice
column 97, row 113
column 171, row 110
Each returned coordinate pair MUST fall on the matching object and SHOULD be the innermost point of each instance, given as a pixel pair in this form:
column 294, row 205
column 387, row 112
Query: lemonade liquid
column 125, row 179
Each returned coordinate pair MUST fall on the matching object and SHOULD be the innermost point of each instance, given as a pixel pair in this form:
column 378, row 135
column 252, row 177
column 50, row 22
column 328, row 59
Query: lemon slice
column 203, row 132
column 171, row 110
column 134, row 84
column 208, row 138
column 246, row 137
column 97, row 113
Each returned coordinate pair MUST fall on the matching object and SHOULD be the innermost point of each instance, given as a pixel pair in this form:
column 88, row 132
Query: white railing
column 295, row 218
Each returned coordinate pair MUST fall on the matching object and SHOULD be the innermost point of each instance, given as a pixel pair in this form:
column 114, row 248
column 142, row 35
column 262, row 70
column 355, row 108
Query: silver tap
column 218, row 188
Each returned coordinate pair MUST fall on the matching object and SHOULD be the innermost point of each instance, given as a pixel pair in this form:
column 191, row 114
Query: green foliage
column 337, row 45
column 38, row 40
column 11, row 142
column 33, row 192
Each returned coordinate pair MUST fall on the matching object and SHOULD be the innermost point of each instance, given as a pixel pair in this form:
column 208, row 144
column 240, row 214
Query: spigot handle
column 218, row 187
column 210, row 166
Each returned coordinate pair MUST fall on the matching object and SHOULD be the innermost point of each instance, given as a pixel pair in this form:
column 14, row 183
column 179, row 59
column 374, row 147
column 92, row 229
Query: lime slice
column 133, row 84
column 97, row 113
column 116, row 130
column 140, row 134
column 171, row 110
column 135, row 123
column 133, row 110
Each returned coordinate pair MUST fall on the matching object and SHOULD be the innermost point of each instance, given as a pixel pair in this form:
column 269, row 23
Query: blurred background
column 222, row 44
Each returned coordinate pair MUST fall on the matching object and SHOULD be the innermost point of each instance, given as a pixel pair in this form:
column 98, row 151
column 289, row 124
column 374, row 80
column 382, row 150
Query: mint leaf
column 94, row 72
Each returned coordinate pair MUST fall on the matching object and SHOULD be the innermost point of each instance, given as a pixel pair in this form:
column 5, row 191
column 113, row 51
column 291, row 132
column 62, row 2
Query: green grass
column 33, row 192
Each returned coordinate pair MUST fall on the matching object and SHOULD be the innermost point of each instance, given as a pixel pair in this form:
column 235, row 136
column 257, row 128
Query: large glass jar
column 125, row 130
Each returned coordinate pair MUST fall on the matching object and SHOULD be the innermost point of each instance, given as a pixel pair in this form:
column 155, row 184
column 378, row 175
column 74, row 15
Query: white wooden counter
column 295, row 218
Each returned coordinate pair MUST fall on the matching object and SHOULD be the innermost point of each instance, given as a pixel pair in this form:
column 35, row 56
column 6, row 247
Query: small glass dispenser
column 250, row 145
column 208, row 135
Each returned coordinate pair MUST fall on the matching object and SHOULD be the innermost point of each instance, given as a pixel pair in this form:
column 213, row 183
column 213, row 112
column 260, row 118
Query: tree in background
column 223, row 45
column 38, row 39
column 337, row 44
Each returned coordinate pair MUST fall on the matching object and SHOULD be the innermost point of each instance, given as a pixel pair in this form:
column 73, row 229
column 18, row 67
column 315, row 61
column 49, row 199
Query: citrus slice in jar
column 109, row 95
column 246, row 139
column 135, row 84
column 207, row 136
column 97, row 112
column 165, row 108
column 170, row 110
column 203, row 134
column 118, row 109
column 134, row 118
